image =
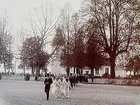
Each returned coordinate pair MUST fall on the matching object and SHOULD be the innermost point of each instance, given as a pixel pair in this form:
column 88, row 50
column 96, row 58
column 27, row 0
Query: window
column 106, row 70
column 97, row 71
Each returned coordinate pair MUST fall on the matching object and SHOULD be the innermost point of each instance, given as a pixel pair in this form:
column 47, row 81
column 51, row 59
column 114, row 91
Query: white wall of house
column 119, row 71
column 57, row 69
column 99, row 72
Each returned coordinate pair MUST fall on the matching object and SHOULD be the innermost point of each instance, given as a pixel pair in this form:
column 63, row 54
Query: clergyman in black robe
column 48, row 81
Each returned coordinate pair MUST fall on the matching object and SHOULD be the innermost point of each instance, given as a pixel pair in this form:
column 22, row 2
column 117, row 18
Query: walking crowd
column 59, row 86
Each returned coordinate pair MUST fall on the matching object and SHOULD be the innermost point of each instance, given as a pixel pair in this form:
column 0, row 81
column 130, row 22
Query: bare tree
column 42, row 24
column 65, row 24
column 6, row 54
column 73, row 50
column 77, row 37
column 116, row 21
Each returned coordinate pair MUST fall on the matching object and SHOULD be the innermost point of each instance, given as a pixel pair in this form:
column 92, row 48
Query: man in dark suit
column 74, row 80
column 48, row 81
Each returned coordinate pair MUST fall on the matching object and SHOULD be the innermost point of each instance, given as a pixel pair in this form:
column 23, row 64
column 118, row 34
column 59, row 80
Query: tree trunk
column 33, row 71
column 24, row 71
column 77, row 70
column 5, row 68
column 112, row 67
column 74, row 70
column 68, row 71
column 134, row 72
column 37, row 71
column 45, row 72
column 92, row 71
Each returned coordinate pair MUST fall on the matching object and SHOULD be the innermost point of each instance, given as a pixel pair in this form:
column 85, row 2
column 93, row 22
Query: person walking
column 74, row 80
column 62, row 87
column 48, row 81
column 57, row 92
column 53, row 86
column 71, row 79
column 67, row 88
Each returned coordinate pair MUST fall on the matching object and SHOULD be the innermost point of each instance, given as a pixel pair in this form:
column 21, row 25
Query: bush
column 124, row 82
column 135, row 76
column 112, row 82
column 96, row 77
column 105, row 75
column 27, row 77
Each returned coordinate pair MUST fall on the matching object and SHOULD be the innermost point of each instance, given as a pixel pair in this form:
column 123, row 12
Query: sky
column 18, row 12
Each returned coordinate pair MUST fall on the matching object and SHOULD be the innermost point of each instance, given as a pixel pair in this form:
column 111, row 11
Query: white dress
column 61, row 91
column 64, row 87
column 53, row 87
column 67, row 88
column 58, row 89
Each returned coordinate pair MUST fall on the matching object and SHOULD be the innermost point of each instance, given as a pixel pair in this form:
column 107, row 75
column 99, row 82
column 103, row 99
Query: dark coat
column 47, row 83
column 71, row 79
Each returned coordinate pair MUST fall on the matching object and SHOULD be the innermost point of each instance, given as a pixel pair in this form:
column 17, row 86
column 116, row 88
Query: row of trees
column 36, row 59
column 112, row 25
column 117, row 24
column 102, row 29
column 30, row 55
column 6, row 54
column 82, row 50
column 33, row 53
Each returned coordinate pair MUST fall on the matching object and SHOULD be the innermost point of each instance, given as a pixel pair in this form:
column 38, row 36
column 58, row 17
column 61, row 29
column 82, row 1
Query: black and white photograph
column 69, row 52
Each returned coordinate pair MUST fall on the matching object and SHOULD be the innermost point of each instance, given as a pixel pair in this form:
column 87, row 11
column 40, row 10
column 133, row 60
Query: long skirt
column 66, row 95
column 57, row 93
column 53, row 89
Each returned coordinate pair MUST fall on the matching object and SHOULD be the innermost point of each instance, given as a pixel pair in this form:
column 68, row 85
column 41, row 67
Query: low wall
column 95, row 81
column 115, row 81
column 21, row 78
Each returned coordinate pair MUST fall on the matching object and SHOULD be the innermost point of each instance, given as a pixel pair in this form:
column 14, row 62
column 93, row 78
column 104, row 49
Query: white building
column 119, row 71
column 57, row 69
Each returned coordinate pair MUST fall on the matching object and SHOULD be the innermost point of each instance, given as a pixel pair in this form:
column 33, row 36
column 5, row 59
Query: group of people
column 59, row 86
